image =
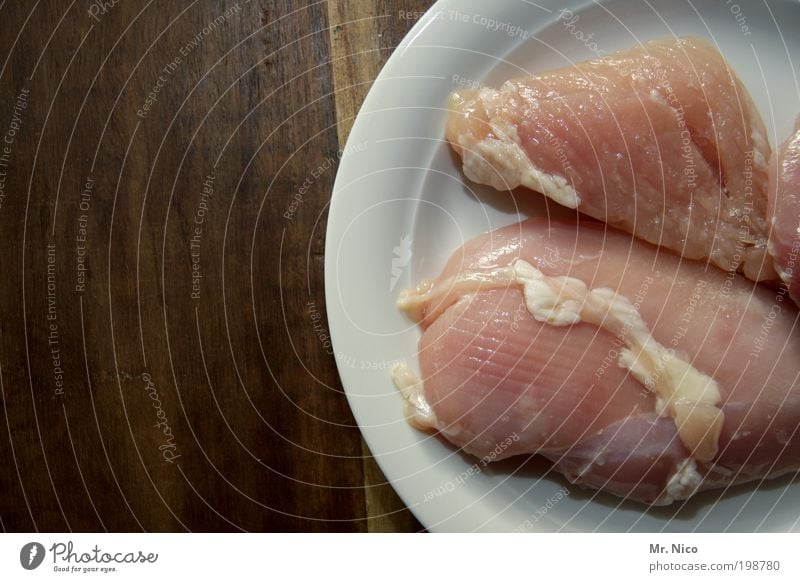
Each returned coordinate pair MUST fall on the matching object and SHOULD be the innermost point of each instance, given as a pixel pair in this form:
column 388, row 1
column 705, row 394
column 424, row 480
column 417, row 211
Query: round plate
column 401, row 205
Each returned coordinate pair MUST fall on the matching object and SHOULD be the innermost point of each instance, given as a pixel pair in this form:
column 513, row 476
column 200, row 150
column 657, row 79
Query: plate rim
column 359, row 132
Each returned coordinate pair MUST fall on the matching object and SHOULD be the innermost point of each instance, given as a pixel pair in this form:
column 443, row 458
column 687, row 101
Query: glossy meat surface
column 784, row 210
column 661, row 141
column 490, row 371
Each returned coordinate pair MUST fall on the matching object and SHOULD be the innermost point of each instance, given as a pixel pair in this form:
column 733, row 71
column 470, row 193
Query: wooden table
column 163, row 357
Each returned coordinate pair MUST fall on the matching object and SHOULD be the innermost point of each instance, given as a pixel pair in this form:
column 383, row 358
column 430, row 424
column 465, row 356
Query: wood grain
column 363, row 35
column 164, row 362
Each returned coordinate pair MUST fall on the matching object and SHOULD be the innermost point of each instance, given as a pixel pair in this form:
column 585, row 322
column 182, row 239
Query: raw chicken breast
column 491, row 370
column 784, row 209
column 661, row 141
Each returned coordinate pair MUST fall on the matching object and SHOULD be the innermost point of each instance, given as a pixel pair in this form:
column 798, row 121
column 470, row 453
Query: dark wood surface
column 160, row 321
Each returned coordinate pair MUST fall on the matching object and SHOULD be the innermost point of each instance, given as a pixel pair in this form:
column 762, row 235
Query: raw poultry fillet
column 633, row 371
column 661, row 141
column 784, row 209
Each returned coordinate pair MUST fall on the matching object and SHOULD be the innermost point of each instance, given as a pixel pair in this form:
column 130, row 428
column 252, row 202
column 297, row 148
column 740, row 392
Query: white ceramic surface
column 401, row 205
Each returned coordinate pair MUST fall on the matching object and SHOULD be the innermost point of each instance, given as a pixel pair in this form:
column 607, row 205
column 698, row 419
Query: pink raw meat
column 491, row 371
column 660, row 140
column 784, row 209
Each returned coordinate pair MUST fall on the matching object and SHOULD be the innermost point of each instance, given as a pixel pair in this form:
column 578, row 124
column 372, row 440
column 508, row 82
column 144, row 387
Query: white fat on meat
column 683, row 484
column 499, row 160
column 684, row 393
column 418, row 412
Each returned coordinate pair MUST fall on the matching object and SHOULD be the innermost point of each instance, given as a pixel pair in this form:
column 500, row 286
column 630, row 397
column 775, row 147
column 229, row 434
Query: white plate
column 401, row 206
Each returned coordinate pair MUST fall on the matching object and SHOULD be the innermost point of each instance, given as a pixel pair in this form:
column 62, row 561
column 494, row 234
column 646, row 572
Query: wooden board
column 165, row 173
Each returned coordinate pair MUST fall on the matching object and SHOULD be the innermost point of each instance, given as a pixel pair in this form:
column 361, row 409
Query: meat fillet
column 661, row 141
column 784, row 207
column 492, row 368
